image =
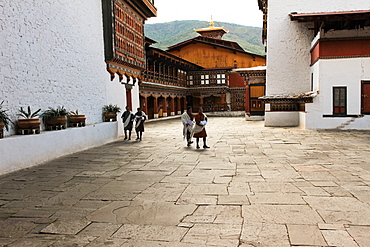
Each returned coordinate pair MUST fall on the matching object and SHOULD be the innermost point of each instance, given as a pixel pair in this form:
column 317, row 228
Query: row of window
column 129, row 48
column 206, row 79
column 129, row 34
column 166, row 70
column 128, row 18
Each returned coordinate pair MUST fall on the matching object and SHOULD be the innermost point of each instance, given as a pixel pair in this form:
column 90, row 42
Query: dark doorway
column 150, row 102
column 365, row 97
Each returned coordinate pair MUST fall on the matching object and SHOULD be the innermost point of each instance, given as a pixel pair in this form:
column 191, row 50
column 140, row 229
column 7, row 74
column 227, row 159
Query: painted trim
column 340, row 48
column 341, row 116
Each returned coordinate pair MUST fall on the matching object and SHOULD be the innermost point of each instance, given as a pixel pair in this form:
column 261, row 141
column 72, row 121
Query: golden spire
column 212, row 31
column 211, row 23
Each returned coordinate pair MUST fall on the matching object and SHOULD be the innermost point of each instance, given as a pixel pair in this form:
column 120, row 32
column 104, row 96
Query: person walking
column 140, row 118
column 187, row 120
column 200, row 127
column 128, row 120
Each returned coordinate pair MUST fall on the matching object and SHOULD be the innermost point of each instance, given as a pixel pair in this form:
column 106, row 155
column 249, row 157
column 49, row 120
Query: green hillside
column 171, row 33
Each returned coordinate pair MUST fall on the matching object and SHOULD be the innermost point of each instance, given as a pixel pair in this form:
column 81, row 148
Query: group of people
column 194, row 126
column 128, row 119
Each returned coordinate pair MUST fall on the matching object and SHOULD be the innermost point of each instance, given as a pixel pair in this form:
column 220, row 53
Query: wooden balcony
column 214, row 107
column 164, row 79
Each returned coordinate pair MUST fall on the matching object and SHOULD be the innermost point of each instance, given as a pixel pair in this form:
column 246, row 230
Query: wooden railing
column 164, row 79
column 214, row 107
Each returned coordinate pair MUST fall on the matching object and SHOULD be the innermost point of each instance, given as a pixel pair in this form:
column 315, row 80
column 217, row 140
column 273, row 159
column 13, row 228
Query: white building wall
column 136, row 98
column 288, row 55
column 288, row 42
column 288, row 49
column 347, row 72
column 282, row 119
column 52, row 55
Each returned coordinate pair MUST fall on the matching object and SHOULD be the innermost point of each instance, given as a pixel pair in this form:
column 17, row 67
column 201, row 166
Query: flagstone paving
column 255, row 186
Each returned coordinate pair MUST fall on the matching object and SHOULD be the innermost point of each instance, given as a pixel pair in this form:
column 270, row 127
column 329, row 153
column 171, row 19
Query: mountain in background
column 171, row 33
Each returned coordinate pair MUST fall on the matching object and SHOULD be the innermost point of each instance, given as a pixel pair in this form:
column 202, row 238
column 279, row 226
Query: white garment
column 128, row 120
column 188, row 124
column 140, row 118
column 198, row 128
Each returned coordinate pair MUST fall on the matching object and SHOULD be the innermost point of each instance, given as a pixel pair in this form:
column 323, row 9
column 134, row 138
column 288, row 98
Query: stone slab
column 264, row 234
column 151, row 232
column 305, row 235
column 338, row 238
column 153, row 213
column 66, row 226
column 281, row 214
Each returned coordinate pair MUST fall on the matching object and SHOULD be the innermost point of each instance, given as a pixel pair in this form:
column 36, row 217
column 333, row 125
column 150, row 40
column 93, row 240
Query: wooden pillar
column 144, row 104
column 223, row 102
column 185, row 106
column 128, row 98
column 178, row 106
column 155, row 107
column 165, row 107
column 128, row 95
column 173, row 110
column 223, row 98
column 247, row 101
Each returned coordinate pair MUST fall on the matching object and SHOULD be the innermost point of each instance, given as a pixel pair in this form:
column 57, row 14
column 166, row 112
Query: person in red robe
column 200, row 127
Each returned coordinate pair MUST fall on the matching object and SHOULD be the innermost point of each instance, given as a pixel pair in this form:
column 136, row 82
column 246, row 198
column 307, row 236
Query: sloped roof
column 231, row 45
column 250, row 69
column 164, row 56
column 330, row 16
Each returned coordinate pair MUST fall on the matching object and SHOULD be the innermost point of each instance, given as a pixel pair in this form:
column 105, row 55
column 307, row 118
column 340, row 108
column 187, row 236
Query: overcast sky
column 243, row 12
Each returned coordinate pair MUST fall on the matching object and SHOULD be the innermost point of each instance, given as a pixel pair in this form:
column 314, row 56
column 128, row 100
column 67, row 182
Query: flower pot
column 31, row 123
column 77, row 118
column 108, row 116
column 56, row 120
column 56, row 123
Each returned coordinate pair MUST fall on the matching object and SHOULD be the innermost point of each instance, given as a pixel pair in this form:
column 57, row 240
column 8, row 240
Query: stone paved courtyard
column 255, row 186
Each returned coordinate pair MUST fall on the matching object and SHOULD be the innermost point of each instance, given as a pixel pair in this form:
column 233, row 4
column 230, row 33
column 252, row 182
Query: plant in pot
column 29, row 121
column 55, row 118
column 110, row 112
column 4, row 119
column 76, row 119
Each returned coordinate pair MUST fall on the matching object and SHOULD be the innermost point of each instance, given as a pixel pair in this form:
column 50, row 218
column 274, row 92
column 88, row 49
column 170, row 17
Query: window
column 339, row 100
column 190, row 80
column 221, row 79
column 204, row 79
column 311, row 82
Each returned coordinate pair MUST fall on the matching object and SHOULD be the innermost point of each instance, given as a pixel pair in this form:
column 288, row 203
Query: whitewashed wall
column 135, row 97
column 348, row 72
column 288, row 42
column 288, row 64
column 52, row 54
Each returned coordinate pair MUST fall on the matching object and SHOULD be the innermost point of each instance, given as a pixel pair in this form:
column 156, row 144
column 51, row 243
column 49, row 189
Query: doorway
column 365, row 97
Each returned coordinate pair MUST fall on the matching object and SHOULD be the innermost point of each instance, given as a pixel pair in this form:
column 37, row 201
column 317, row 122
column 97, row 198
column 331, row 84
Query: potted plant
column 75, row 119
column 55, row 118
column 4, row 119
column 30, row 121
column 110, row 112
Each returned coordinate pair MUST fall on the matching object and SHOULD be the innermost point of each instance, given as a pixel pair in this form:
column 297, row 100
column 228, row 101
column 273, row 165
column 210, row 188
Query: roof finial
column 211, row 24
